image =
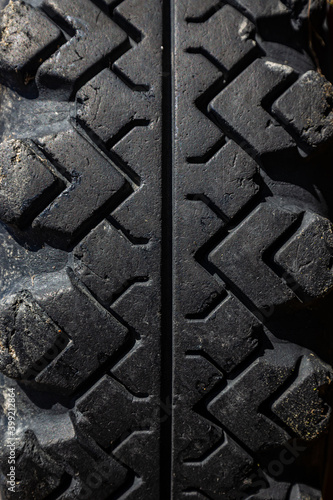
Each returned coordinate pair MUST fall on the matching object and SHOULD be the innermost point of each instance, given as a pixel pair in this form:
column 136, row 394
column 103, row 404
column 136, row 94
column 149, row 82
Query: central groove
column 167, row 257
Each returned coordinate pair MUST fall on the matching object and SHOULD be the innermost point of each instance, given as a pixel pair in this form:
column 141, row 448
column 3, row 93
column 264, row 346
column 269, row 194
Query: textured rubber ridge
column 166, row 249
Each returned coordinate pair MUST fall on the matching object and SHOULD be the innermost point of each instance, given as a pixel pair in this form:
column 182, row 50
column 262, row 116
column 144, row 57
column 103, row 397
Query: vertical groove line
column 167, row 254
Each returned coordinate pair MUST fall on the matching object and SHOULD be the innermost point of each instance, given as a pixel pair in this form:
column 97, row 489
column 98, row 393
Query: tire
column 166, row 257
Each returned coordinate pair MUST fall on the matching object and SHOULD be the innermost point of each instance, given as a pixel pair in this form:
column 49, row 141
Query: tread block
column 229, row 335
column 138, row 149
column 44, row 470
column 260, row 9
column 196, row 286
column 203, row 435
column 207, row 458
column 25, row 34
column 129, row 262
column 278, row 491
column 140, row 65
column 85, row 167
column 307, row 257
column 27, row 182
column 138, row 307
column 27, row 333
column 86, row 323
column 108, row 411
column 303, row 407
column 238, row 173
column 101, row 113
column 241, row 110
column 195, row 10
column 220, row 473
column 224, row 29
column 272, row 19
column 96, row 37
column 252, row 237
column 200, row 133
column 307, row 109
column 91, row 469
column 62, row 460
column 264, row 377
column 133, row 451
column 304, row 492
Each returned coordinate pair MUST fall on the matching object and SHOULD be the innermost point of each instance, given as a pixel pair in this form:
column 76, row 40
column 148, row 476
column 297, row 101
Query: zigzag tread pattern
column 222, row 342
column 86, row 195
column 98, row 356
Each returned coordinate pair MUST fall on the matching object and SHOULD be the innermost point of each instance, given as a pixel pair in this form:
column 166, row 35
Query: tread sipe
column 166, row 249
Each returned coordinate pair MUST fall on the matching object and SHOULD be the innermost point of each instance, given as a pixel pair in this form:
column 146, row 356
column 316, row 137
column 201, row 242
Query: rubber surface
column 166, row 249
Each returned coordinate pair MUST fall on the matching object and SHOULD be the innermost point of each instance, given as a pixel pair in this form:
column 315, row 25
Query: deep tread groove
column 167, row 250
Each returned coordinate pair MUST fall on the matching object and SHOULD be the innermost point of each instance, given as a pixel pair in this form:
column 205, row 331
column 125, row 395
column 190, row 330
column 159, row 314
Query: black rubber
column 166, row 249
